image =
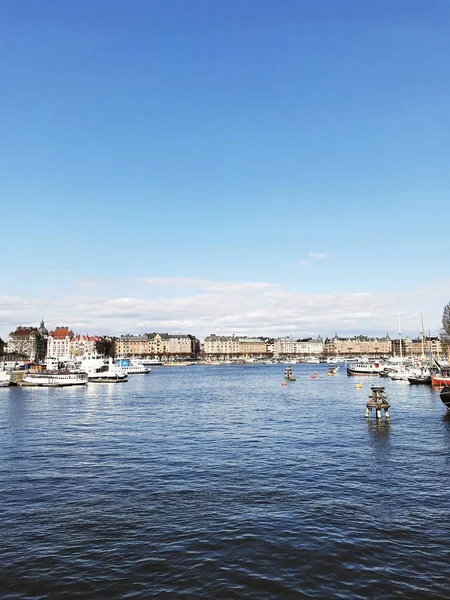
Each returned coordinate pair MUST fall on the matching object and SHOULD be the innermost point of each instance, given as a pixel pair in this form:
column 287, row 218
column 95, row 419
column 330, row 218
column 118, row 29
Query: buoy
column 358, row 385
column 284, row 384
column 313, row 376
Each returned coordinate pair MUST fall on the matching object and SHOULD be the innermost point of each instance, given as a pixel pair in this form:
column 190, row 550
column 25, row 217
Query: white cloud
column 317, row 255
column 304, row 263
column 254, row 308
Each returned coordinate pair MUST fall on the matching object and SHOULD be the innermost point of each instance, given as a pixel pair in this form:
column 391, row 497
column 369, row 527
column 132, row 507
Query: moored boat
column 132, row 366
column 369, row 368
column 151, row 362
column 108, row 373
column 5, row 378
column 420, row 379
column 54, row 379
column 441, row 377
column 445, row 396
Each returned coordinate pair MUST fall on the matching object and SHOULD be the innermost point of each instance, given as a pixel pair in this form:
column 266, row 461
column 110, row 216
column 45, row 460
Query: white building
column 58, row 345
column 301, row 347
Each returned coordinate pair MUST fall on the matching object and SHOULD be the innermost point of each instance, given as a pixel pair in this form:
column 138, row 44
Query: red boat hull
column 440, row 381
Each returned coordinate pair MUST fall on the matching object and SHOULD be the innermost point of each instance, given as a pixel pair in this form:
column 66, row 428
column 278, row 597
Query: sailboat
column 421, row 374
column 399, row 372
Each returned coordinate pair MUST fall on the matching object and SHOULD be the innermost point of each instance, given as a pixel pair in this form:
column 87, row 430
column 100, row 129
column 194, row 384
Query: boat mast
column 423, row 339
column 400, row 339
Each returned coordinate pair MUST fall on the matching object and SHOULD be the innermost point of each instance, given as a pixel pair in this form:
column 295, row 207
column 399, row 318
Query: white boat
column 312, row 360
column 108, row 372
column 132, row 366
column 5, row 378
column 150, row 362
column 365, row 368
column 54, row 379
column 89, row 363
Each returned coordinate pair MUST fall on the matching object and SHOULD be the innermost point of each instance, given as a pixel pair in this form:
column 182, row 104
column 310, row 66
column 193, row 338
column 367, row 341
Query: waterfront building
column 252, row 346
column 285, row 346
column 2, row 346
column 131, row 345
column 80, row 345
column 310, row 346
column 165, row 344
column 58, row 345
column 28, row 342
column 358, row 345
column 157, row 344
column 270, row 346
column 289, row 346
column 221, row 345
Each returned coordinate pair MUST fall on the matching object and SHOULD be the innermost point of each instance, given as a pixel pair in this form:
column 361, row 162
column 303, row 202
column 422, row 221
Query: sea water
column 219, row 482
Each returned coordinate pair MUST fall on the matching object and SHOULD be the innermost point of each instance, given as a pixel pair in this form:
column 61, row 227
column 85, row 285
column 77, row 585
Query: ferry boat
column 150, row 362
column 5, row 378
column 365, row 368
column 54, row 379
column 132, row 366
column 108, row 372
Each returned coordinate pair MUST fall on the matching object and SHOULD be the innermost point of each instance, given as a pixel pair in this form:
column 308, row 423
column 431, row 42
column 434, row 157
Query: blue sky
column 218, row 144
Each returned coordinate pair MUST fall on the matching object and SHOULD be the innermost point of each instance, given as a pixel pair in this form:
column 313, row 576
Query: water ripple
column 216, row 482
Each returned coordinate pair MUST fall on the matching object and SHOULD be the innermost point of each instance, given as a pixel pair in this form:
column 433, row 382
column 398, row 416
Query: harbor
column 210, row 480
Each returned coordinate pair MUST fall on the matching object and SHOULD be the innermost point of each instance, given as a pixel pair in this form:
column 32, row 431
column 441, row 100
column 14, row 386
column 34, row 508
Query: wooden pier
column 378, row 401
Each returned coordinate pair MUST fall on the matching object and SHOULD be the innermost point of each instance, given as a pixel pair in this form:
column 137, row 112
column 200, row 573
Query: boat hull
column 440, row 381
column 107, row 377
column 53, row 381
column 360, row 372
column 419, row 380
column 445, row 396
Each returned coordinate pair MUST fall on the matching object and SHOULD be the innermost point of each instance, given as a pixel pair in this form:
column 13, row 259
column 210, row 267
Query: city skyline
column 223, row 167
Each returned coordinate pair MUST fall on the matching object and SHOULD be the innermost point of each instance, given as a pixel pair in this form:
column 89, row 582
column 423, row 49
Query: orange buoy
column 283, row 384
column 313, row 376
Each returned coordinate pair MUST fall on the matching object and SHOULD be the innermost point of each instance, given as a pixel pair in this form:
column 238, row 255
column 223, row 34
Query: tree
column 446, row 322
column 105, row 346
column 445, row 331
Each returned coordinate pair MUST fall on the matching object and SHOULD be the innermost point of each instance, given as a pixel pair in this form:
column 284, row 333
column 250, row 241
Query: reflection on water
column 217, row 482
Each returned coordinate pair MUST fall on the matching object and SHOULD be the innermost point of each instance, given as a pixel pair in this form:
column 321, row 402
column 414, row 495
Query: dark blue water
column 217, row 482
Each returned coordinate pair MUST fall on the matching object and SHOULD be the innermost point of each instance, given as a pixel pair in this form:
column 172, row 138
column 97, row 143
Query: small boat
column 54, row 379
column 332, row 370
column 5, row 378
column 369, row 368
column 420, row 376
column 445, row 396
column 289, row 374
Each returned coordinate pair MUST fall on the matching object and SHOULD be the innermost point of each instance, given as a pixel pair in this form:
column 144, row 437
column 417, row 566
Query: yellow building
column 358, row 345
